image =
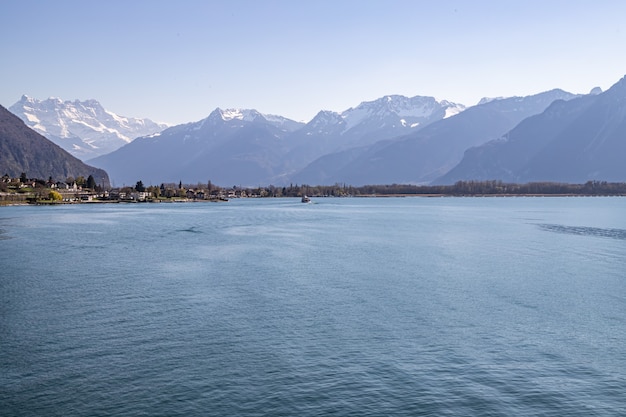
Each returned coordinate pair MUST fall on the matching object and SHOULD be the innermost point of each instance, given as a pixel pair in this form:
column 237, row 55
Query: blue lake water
column 343, row 307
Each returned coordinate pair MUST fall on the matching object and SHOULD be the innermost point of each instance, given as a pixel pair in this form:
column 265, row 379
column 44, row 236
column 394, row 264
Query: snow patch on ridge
column 452, row 111
column 240, row 114
column 32, row 118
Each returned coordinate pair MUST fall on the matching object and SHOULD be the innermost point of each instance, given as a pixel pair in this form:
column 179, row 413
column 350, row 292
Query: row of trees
column 461, row 188
column 494, row 187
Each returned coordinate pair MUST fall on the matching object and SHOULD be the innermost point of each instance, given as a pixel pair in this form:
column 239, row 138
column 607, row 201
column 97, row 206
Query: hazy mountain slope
column 83, row 128
column 574, row 141
column 592, row 147
column 494, row 161
column 24, row 150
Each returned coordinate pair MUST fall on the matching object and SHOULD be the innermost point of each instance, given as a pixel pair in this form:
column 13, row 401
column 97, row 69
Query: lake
column 342, row 307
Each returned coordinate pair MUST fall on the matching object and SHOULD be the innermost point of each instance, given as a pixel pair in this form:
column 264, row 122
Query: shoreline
column 487, row 195
column 95, row 202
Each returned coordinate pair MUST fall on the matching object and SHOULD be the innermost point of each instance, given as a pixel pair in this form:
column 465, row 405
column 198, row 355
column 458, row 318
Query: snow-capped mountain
column 83, row 128
column 408, row 112
column 232, row 146
column 369, row 122
column 389, row 115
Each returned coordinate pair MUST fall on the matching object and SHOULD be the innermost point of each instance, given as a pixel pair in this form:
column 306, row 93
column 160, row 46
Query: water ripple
column 619, row 234
column 4, row 235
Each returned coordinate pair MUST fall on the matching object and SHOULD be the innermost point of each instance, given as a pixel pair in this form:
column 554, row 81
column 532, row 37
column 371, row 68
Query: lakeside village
column 25, row 190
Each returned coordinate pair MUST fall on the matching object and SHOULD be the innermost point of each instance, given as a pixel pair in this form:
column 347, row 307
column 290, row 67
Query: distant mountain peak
column 248, row 115
column 398, row 110
column 26, row 99
column 219, row 116
column 326, row 118
column 401, row 105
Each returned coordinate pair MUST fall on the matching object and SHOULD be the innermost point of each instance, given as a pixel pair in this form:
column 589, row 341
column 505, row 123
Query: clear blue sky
column 176, row 61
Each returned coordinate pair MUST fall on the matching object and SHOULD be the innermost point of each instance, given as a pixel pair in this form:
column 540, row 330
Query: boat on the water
column 305, row 199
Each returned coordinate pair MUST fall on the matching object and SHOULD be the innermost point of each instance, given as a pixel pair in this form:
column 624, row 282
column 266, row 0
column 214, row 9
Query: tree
column 55, row 196
column 139, row 187
column 154, row 191
column 91, row 182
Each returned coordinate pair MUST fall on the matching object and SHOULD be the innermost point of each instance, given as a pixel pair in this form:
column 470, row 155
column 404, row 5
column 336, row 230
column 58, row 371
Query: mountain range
column 551, row 136
column 245, row 147
column 83, row 128
column 22, row 150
